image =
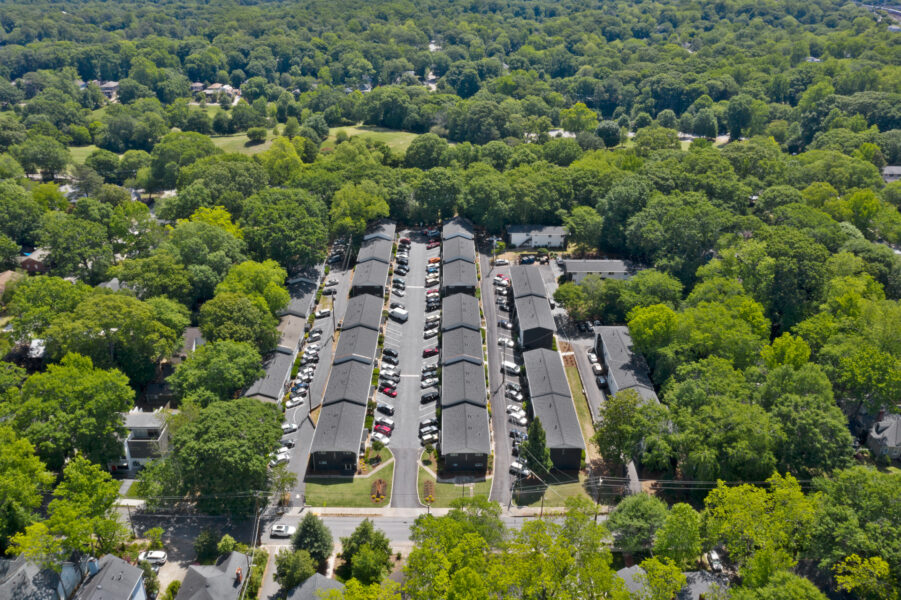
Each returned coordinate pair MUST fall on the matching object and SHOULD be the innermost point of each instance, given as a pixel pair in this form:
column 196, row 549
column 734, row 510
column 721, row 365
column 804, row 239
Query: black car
column 516, row 434
column 390, row 360
column 288, row 442
column 430, row 396
column 397, row 305
column 601, row 381
column 402, row 260
column 329, row 291
column 401, row 270
column 389, row 352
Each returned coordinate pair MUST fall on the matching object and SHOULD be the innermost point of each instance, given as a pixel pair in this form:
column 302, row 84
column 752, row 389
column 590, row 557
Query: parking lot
column 407, row 339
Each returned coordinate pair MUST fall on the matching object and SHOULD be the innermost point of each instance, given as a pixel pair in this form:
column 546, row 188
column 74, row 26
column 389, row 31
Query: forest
column 200, row 154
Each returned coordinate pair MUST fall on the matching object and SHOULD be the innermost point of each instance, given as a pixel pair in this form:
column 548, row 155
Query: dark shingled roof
column 460, row 310
column 551, row 398
column 462, row 382
column 527, row 281
column 375, row 249
column 459, row 274
column 215, row 582
column 24, row 580
column 370, row 274
column 698, row 583
column 544, row 370
column 461, row 344
column 626, row 368
column 307, row 590
column 457, row 227
column 358, row 343
column 272, row 384
column 384, row 230
column 349, row 381
column 364, row 310
column 340, row 428
column 464, row 428
column 458, row 248
column 534, row 312
column 302, row 294
column 115, row 580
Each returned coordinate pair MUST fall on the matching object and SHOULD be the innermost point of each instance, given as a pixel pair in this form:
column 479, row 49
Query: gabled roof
column 115, row 580
column 340, row 428
column 628, row 575
column 370, row 274
column 271, row 385
column 138, row 419
column 462, row 382
column 557, row 414
column 627, row 368
column 22, row 579
column 348, row 382
column 464, row 429
column 545, row 373
column 384, row 230
column 595, row 266
column 457, row 227
column 527, row 281
column 364, row 310
column 307, row 590
column 357, row 344
column 215, row 582
column 533, row 229
column 376, row 248
column 458, row 248
column 461, row 344
column 302, row 293
column 700, row 583
column 888, row 431
column 290, row 329
column 459, row 274
column 534, row 312
column 460, row 310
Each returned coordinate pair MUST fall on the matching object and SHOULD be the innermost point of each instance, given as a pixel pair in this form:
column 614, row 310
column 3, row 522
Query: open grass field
column 344, row 491
column 396, row 140
column 238, row 143
column 582, row 411
column 445, row 493
column 80, row 153
column 556, row 491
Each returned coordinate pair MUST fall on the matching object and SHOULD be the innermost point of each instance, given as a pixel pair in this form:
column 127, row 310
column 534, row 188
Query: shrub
column 171, row 591
column 256, row 135
column 206, row 546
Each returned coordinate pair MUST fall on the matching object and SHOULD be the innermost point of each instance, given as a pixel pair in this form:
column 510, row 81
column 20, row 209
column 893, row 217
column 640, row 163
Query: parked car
column 398, row 305
column 714, row 559
column 429, row 397
column 432, row 269
column 429, row 370
column 389, row 352
column 401, row 270
column 601, row 381
column 397, row 285
column 516, row 434
column 431, row 438
column 432, row 281
column 279, row 458
column 329, row 291
column 281, row 530
column 405, row 241
column 399, row 292
column 386, row 421
column 427, row 352
column 331, row 282
column 288, row 442
column 385, row 408
column 519, row 469
column 504, row 307
column 429, row 333
column 592, row 357
column 513, row 395
column 502, row 341
column 428, row 423
column 434, row 244
column 323, row 313
column 512, row 409
column 289, row 427
column 382, row 428
column 389, row 380
column 389, row 360
column 501, row 262
column 432, row 319
column 425, row 431
column 403, row 261
column 511, row 385
column 505, row 324
column 154, row 557
column 389, row 391
column 518, row 420
column 294, row 401
column 434, row 260
column 428, row 382
column 381, row 437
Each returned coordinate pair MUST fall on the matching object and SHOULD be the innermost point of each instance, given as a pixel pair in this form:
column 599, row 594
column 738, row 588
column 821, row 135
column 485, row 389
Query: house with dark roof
column 290, row 330
column 147, row 438
column 460, row 310
column 701, row 584
column 311, row 588
column 348, row 382
column 222, row 581
column 338, row 440
column 364, row 310
column 376, row 248
column 626, row 369
column 24, row 580
column 111, row 578
column 274, row 382
column 536, row 236
column 551, row 402
column 577, row 270
column 458, row 248
column 358, row 343
column 461, row 382
column 632, row 577
column 383, row 229
column 464, row 439
column 532, row 317
column 458, row 227
column 459, row 277
column 302, row 294
column 461, row 344
column 370, row 277
column 885, row 436
column 891, row 173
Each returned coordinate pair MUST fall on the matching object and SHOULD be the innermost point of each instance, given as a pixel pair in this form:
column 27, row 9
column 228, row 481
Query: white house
column 536, row 236
column 576, row 270
column 891, row 173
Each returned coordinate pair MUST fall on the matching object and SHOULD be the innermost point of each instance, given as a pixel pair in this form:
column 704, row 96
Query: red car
column 432, row 291
column 429, row 352
column 383, row 429
column 405, row 241
column 433, row 245
column 391, row 392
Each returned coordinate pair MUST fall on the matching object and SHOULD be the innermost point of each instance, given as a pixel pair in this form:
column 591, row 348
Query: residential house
column 532, row 317
column 146, row 439
column 196, row 87
column 536, row 236
column 460, row 310
column 311, row 588
column 577, row 270
column 290, row 330
column 24, row 580
column 7, row 278
column 370, row 277
column 274, row 382
column 110, row 89
column 891, row 173
column 625, row 368
column 464, row 440
column 35, row 261
column 701, row 584
column 459, row 277
column 222, row 581
column 112, row 578
column 457, row 227
column 885, row 436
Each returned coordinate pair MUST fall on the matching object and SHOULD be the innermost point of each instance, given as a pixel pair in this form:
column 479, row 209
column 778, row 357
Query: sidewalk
column 337, row 511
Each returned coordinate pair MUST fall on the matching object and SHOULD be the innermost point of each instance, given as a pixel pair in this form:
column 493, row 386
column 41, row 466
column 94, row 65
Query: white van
column 399, row 314
column 511, row 367
column 386, row 421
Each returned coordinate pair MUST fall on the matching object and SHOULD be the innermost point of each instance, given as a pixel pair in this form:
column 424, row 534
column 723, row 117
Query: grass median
column 345, row 491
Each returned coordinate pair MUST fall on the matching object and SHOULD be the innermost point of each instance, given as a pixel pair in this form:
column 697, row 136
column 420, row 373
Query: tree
column 222, row 368
column 354, row 207
column 437, row 193
column 620, row 427
column 369, row 565
column 738, row 115
column 376, row 546
column 36, row 301
column 77, row 247
column 573, row 298
column 256, row 135
column 635, row 520
column 535, row 449
column 651, row 139
column 584, row 227
column 177, row 149
column 293, row 567
column 425, row 152
column 287, row 226
column 160, row 274
column 23, row 480
column 41, row 153
column 20, row 214
column 705, row 124
column 868, row 578
column 782, row 585
column 151, row 580
column 679, row 538
column 81, row 517
column 105, row 164
column 609, row 132
column 231, row 316
column 72, row 408
column 206, row 546
column 578, row 118
column 661, row 579
column 313, row 536
column 258, row 281
column 281, row 161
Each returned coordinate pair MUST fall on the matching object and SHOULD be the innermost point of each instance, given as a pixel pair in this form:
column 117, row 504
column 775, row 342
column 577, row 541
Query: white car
column 312, row 348
column 518, row 420
column 714, row 559
column 380, row 437
column 512, row 409
column 323, row 313
column 431, row 438
column 513, row 395
column 398, row 292
column 592, row 357
column 433, row 318
column 294, row 401
column 331, row 282
column 282, row 531
column 501, row 262
column 430, row 333
column 280, row 458
column 289, row 427
column 154, row 557
column 428, row 382
column 517, row 468
column 431, row 281
column 502, row 341
column 315, row 337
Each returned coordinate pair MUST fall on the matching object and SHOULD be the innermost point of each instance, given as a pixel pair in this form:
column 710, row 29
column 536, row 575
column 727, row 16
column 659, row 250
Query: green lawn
column 80, row 153
column 346, row 491
column 529, row 493
column 396, row 140
column 238, row 143
column 445, row 493
column 582, row 411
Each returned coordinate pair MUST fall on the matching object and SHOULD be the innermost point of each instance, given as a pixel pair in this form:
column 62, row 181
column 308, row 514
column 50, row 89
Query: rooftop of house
column 349, row 381
column 358, row 344
column 138, row 419
column 460, row 310
column 376, row 248
column 340, row 428
column 290, row 330
column 370, row 274
column 216, row 582
column 534, row 312
column 627, row 368
column 271, row 385
column 887, row 431
column 457, row 227
column 458, row 248
column 364, row 310
column 595, row 266
column 459, row 274
column 114, row 580
column 462, row 382
column 309, row 588
column 383, row 229
column 461, row 344
column 537, row 229
column 464, row 428
column 527, row 281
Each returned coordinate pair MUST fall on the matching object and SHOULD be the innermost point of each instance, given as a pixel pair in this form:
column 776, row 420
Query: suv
column 389, row 352
column 385, row 408
column 430, row 397
column 519, row 469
